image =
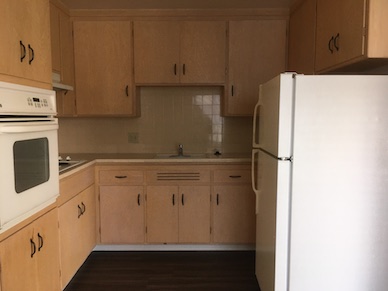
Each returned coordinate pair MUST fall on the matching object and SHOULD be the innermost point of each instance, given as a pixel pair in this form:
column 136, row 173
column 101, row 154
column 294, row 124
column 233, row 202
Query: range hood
column 57, row 85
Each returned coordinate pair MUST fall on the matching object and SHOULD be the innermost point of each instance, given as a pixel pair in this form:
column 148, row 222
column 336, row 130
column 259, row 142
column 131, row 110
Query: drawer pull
column 173, row 199
column 22, row 51
column 83, row 207
column 138, row 199
column 235, row 176
column 40, row 239
column 183, row 199
column 218, row 199
column 121, row 177
column 79, row 211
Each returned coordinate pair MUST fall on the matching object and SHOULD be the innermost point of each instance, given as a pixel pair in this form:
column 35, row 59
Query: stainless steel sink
column 185, row 156
column 67, row 165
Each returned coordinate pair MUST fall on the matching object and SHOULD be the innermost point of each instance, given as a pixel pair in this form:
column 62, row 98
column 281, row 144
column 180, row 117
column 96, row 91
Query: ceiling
column 175, row 4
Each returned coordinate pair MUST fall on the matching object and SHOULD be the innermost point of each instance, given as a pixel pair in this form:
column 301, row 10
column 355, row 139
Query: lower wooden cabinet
column 234, row 214
column 122, row 214
column 29, row 258
column 178, row 214
column 77, row 223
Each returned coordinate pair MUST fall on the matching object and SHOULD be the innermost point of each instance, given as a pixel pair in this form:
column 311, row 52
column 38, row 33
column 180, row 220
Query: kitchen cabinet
column 233, row 206
column 301, row 39
column 122, row 214
column 350, row 32
column 62, row 51
column 25, row 51
column 77, row 221
column 179, row 52
column 178, row 214
column 30, row 257
column 103, row 56
column 257, row 53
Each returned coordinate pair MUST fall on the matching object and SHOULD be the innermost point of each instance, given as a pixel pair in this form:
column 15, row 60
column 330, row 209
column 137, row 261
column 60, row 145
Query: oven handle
column 27, row 128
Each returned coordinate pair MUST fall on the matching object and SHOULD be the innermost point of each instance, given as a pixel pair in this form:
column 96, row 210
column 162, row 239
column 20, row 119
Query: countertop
column 92, row 158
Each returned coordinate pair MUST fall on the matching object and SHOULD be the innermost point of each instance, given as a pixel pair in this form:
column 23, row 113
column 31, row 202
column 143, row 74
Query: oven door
column 29, row 179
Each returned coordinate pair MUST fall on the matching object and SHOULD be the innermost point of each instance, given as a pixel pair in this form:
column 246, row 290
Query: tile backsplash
column 169, row 116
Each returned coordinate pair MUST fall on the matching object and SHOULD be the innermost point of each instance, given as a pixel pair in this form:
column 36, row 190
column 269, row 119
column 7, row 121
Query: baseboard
column 174, row 247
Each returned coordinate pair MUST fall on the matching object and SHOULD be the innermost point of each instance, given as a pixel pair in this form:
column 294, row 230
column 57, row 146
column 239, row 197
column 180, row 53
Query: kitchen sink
column 185, row 156
column 67, row 165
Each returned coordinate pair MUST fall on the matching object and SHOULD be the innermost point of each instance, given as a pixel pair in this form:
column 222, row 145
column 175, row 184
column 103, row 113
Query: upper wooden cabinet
column 301, row 38
column 62, row 52
column 25, row 50
column 103, row 68
column 349, row 32
column 257, row 53
column 180, row 52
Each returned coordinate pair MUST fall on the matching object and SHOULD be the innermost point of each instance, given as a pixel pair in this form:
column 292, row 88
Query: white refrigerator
column 320, row 174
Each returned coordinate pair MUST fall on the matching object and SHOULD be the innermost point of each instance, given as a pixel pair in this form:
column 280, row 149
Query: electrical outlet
column 133, row 137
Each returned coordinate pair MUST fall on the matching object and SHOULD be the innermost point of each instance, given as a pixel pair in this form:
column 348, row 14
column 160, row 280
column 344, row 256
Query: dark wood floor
column 119, row 271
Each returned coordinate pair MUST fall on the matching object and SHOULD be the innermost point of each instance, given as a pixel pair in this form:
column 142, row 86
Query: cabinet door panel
column 156, row 50
column 233, row 214
column 122, row 214
column 257, row 53
column 203, row 52
column 194, row 214
column 103, row 67
column 162, row 214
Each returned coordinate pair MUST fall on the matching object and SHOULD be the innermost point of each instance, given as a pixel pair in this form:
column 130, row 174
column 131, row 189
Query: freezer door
column 272, row 223
column 272, row 122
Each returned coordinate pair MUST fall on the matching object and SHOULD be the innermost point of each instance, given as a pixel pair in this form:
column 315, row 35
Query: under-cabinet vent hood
column 57, row 85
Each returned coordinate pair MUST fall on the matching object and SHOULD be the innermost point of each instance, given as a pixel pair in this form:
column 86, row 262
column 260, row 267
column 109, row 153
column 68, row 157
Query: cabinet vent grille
column 181, row 176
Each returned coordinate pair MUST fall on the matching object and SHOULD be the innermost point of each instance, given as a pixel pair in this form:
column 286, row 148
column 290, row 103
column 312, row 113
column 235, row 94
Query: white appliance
column 320, row 174
column 29, row 179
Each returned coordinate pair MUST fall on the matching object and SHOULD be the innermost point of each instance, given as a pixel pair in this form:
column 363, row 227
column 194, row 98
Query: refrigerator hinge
column 286, row 159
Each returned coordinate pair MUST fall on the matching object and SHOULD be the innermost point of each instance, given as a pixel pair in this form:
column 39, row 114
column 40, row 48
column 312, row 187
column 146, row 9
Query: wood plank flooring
column 119, row 271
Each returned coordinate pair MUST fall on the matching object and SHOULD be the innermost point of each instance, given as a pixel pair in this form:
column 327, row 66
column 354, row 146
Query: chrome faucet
column 180, row 150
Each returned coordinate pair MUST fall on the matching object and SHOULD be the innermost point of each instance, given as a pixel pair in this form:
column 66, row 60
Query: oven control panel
column 24, row 100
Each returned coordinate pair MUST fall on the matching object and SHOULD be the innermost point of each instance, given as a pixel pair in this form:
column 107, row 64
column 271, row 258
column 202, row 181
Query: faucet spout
column 180, row 150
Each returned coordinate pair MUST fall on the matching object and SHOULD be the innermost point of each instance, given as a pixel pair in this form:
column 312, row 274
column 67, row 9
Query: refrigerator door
column 272, row 123
column 339, row 222
column 272, row 222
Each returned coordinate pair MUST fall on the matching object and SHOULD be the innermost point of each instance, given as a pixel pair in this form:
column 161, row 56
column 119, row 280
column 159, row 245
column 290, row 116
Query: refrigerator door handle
column 256, row 115
column 255, row 182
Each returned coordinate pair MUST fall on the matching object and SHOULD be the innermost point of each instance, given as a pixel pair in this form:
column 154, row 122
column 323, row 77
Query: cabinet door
column 194, row 214
column 257, row 53
column 301, row 40
column 26, row 22
column 46, row 231
column 103, row 68
column 203, row 52
column 233, row 214
column 122, row 214
column 77, row 232
column 162, row 214
column 340, row 32
column 156, row 51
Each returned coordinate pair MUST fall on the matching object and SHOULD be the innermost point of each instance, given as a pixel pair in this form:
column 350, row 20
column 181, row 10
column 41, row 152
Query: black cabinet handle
column 79, row 211
column 40, row 242
column 32, row 54
column 218, row 199
column 83, row 207
column 120, row 177
column 183, row 199
column 22, row 51
column 232, row 90
column 235, row 176
column 175, row 72
column 173, row 199
column 33, row 247
column 184, row 69
column 127, row 90
column 330, row 44
column 138, row 199
column 336, row 44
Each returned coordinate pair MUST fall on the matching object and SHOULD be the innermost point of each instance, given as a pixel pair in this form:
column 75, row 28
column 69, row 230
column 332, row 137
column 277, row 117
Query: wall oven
column 29, row 179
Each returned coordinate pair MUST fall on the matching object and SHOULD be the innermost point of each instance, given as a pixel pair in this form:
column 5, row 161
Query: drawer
column 232, row 176
column 121, row 177
column 178, row 177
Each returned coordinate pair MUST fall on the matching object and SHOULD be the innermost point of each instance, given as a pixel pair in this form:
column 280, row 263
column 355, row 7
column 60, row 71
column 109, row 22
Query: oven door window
column 31, row 163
